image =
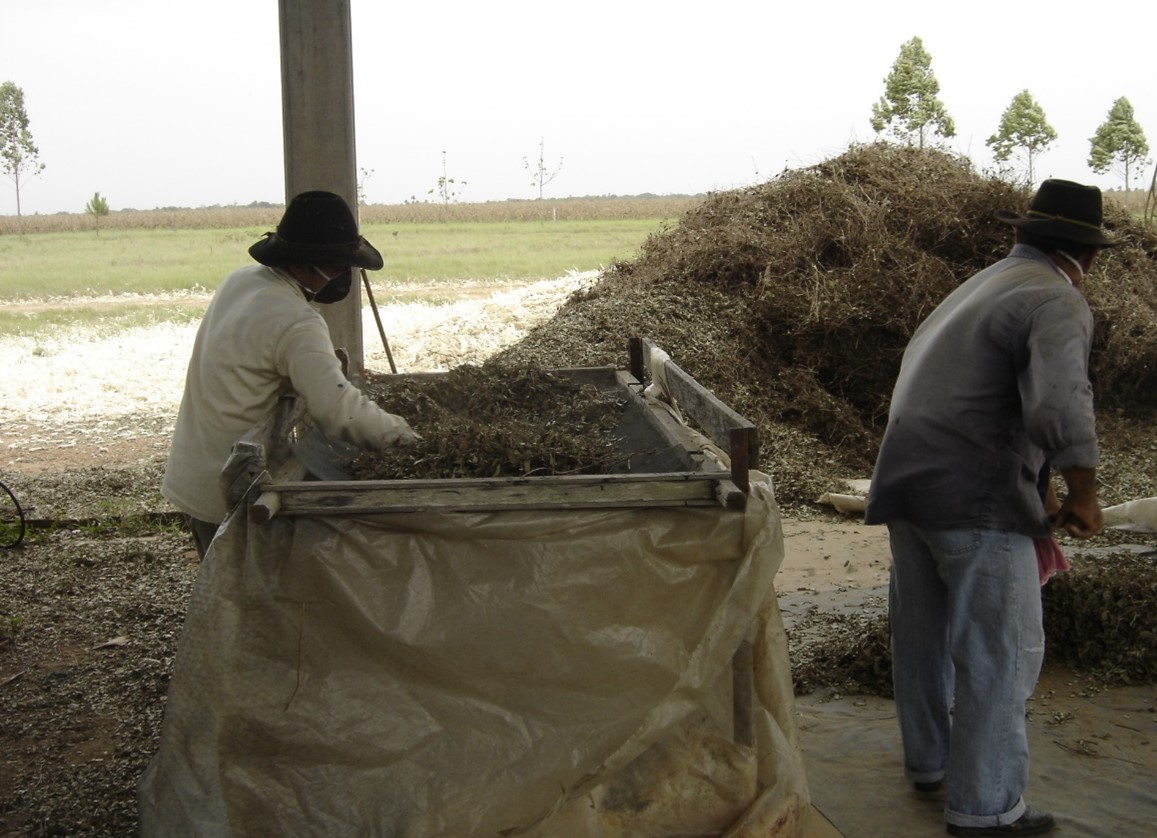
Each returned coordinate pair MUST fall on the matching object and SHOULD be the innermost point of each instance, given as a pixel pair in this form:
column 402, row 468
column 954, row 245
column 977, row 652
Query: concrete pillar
column 317, row 105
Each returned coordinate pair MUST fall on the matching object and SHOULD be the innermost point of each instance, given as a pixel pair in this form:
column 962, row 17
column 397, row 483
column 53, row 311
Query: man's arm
column 339, row 407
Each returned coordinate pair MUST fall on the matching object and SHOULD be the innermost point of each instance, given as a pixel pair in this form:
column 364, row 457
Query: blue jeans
column 965, row 613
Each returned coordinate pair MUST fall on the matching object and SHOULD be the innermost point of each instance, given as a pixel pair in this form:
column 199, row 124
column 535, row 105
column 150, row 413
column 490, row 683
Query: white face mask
column 1076, row 264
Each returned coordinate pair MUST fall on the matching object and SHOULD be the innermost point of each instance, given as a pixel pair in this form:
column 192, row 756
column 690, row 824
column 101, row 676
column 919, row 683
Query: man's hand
column 1077, row 519
column 1080, row 514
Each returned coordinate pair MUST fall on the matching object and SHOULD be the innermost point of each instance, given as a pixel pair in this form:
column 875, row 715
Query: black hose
column 6, row 528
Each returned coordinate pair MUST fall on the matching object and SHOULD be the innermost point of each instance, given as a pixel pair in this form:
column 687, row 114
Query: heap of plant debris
column 490, row 421
column 1099, row 617
column 854, row 656
column 793, row 301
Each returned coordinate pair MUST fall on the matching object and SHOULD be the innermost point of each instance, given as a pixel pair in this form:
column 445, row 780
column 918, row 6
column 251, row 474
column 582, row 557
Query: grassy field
column 140, row 268
column 43, row 265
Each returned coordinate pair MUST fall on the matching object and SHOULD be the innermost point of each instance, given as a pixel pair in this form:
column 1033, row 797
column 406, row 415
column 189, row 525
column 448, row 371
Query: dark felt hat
column 1065, row 210
column 318, row 228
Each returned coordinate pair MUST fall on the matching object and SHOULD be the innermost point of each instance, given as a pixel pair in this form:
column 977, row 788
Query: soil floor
column 92, row 602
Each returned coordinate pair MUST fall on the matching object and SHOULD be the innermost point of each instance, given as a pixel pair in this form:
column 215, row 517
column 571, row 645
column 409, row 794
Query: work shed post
column 317, row 93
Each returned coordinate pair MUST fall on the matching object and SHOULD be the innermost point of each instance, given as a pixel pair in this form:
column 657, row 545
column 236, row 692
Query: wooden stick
column 378, row 320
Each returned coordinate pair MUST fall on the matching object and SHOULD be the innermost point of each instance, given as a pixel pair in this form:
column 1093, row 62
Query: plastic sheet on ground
column 527, row 672
column 1093, row 763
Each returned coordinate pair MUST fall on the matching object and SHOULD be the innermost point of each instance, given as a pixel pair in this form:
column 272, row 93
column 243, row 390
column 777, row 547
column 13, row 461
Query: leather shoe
column 928, row 787
column 1032, row 822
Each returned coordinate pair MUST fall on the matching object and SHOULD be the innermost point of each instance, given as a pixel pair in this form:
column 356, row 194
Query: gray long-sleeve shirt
column 993, row 382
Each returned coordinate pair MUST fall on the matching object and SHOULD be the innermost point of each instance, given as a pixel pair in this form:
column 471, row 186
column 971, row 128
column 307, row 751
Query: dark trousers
column 203, row 532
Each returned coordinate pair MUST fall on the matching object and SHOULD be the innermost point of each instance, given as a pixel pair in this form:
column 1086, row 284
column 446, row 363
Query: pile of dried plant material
column 849, row 653
column 1099, row 617
column 495, row 421
column 793, row 301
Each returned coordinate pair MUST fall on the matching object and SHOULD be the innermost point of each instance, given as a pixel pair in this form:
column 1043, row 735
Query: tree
column 1151, row 201
column 1022, row 126
column 540, row 175
column 19, row 156
column 366, row 174
column 909, row 106
column 446, row 189
column 97, row 207
column 1119, row 143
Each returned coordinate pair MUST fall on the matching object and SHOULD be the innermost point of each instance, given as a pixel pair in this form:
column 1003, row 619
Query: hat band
column 1065, row 219
column 337, row 248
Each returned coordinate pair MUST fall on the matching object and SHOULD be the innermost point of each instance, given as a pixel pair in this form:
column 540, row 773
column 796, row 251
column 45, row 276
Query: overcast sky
column 165, row 103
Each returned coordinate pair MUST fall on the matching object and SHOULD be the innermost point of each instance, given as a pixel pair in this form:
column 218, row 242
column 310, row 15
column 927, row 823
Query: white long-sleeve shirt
column 259, row 340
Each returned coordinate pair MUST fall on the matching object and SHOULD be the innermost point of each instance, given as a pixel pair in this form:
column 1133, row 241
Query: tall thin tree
column 540, row 173
column 1022, row 126
column 19, row 156
column 1119, row 143
column 446, row 189
column 910, row 107
column 97, row 207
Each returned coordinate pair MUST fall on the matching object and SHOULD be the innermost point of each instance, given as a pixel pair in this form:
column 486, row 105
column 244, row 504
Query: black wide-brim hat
column 1065, row 210
column 318, row 228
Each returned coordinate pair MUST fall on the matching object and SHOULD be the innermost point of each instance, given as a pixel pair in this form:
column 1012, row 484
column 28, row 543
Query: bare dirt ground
column 92, row 603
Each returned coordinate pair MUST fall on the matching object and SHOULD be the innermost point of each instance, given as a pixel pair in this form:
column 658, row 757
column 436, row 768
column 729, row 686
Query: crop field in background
column 265, row 216
column 140, row 268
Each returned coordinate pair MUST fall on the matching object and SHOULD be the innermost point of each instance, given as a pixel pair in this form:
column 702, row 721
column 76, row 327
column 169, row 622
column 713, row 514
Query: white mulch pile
column 75, row 376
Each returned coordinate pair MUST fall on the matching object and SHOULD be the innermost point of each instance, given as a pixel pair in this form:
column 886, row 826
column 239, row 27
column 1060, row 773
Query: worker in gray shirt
column 993, row 389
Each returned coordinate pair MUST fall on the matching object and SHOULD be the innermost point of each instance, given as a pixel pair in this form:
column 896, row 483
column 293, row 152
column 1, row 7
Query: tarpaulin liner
column 518, row 672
